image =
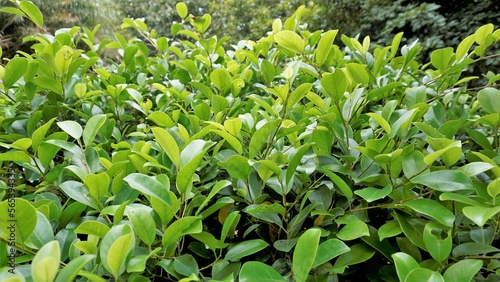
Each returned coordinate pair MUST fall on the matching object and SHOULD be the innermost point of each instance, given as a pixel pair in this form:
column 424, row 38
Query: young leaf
column 144, row 225
column 324, row 46
column 118, row 253
column 290, row 40
column 32, row 12
column 334, row 85
column 97, row 184
column 71, row 127
column 181, row 9
column 71, row 270
column 45, row 264
column 168, row 144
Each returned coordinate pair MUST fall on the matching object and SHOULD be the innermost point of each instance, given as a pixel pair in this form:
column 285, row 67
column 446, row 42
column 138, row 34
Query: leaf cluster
column 287, row 158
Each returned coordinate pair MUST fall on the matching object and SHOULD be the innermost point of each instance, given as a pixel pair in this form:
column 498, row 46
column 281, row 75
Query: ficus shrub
column 285, row 159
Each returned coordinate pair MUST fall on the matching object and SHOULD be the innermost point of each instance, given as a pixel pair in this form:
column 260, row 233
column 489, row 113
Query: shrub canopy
column 287, row 158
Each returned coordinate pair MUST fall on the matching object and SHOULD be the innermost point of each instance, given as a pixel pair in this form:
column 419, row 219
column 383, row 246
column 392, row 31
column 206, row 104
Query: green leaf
column 190, row 158
column 15, row 156
column 161, row 119
column 237, row 167
column 344, row 188
column 181, row 9
column 25, row 216
column 493, row 188
column 463, row 270
column 475, row 168
column 244, row 249
column 168, row 144
column 209, row 240
column 144, row 225
column 489, row 99
column 404, row 265
column 389, row 229
column 424, row 274
column 221, row 79
column 68, row 146
column 77, row 192
column 439, row 248
column 201, row 23
column 253, row 271
column 381, row 121
column 115, row 247
column 445, row 180
column 324, row 46
column 464, row 47
column 329, row 250
column 183, row 226
column 32, row 11
column 42, row 234
column 432, row 209
column 230, row 139
column 334, row 85
column 371, row 194
column 72, row 269
column 186, row 265
column 260, row 137
column 359, row 253
column 290, row 40
column 304, row 253
column 39, row 134
column 353, row 229
column 149, row 186
column 97, row 184
column 450, row 151
column 480, row 215
column 442, row 58
column 118, row 253
column 45, row 264
column 71, row 127
column 92, row 227
column 92, row 128
column 14, row 70
column 470, row 248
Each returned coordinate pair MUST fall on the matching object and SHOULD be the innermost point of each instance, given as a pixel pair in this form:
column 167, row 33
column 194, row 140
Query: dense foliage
column 286, row 158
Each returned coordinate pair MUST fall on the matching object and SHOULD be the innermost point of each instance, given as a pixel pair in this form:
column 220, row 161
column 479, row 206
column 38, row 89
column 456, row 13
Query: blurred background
column 437, row 23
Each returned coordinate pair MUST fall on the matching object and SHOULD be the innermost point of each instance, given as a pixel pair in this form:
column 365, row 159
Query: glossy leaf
column 404, row 265
column 480, row 215
column 149, row 186
column 45, row 264
column 305, row 253
column 329, row 250
column 444, row 180
column 463, row 270
column 244, row 249
column 92, row 128
column 257, row 271
column 289, row 40
column 433, row 210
